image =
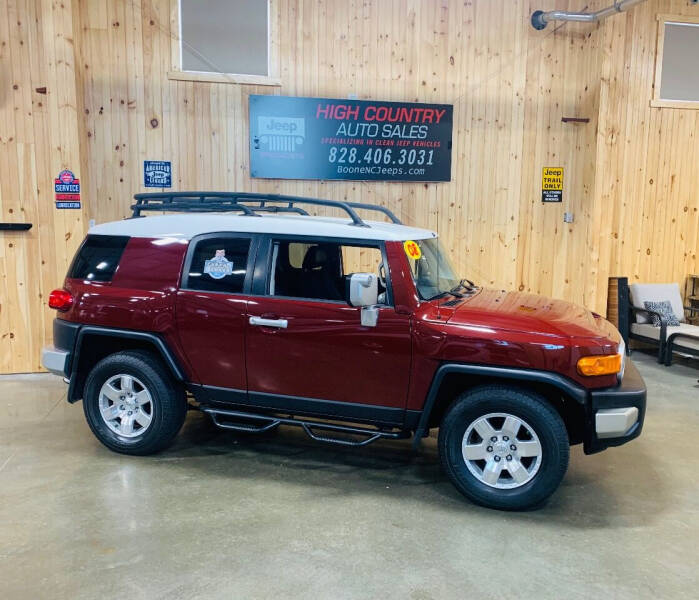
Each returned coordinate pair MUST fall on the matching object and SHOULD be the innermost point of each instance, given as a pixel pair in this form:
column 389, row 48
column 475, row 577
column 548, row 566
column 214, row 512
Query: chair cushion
column 648, row 331
column 656, row 292
column 664, row 309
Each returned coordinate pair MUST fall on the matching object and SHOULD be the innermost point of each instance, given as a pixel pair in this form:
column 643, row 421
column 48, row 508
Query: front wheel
column 503, row 447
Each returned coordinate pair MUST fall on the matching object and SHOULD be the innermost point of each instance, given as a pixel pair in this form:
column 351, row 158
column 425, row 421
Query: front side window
column 218, row 264
column 321, row 270
column 433, row 272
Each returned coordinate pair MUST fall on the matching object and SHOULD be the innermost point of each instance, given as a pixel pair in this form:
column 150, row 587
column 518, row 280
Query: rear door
column 211, row 307
column 306, row 348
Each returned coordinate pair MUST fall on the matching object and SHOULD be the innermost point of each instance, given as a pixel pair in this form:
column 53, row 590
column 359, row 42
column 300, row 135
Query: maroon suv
column 261, row 315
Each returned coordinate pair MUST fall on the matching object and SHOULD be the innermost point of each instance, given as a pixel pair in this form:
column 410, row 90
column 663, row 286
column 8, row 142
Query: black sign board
column 321, row 138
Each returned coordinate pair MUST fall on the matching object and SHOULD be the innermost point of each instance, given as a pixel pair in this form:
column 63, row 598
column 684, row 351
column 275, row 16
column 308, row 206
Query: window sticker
column 218, row 266
column 412, row 250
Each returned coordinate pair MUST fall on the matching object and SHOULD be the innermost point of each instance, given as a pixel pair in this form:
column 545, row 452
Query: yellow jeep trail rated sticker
column 412, row 249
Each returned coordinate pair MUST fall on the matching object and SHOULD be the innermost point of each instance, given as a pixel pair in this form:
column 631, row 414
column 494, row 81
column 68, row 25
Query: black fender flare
column 570, row 388
column 152, row 338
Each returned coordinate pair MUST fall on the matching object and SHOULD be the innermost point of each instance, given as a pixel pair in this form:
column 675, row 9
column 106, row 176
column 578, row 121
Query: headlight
column 608, row 364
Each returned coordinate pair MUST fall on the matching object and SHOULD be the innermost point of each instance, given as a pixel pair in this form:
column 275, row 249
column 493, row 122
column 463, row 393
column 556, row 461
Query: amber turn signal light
column 60, row 300
column 609, row 364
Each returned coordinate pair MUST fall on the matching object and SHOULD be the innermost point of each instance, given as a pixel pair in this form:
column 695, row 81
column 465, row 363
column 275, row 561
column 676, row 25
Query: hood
column 529, row 313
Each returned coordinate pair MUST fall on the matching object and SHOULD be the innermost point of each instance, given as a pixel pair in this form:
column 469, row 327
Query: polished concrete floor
column 221, row 515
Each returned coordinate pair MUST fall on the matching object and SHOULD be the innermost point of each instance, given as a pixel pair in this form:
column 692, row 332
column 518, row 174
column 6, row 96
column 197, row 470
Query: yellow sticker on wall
column 552, row 184
column 412, row 249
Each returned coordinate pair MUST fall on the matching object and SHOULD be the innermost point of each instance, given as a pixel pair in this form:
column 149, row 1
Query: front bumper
column 616, row 414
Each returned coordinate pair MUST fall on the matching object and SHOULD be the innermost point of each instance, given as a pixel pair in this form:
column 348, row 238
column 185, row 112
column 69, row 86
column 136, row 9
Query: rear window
column 98, row 257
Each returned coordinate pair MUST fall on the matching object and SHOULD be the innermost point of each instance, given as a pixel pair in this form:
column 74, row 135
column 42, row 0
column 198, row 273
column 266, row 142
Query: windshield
column 432, row 270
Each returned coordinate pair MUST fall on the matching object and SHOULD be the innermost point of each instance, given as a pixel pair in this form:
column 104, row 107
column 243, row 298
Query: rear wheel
column 132, row 404
column 503, row 447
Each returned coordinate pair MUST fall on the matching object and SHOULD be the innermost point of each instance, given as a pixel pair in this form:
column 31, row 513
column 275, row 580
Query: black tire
column 169, row 403
column 536, row 413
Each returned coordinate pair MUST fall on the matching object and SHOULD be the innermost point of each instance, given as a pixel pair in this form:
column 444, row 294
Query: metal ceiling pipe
column 540, row 18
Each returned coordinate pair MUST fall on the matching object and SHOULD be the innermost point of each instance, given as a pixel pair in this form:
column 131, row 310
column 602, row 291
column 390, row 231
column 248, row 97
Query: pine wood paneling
column 630, row 175
column 39, row 136
column 646, row 175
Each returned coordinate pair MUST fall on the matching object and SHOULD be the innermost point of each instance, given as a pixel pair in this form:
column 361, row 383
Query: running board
column 270, row 422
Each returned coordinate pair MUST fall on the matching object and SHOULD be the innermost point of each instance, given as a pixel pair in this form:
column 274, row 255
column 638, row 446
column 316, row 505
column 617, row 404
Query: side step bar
column 270, row 422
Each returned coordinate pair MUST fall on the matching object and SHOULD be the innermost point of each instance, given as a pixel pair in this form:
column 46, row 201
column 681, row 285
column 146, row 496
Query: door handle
column 260, row 322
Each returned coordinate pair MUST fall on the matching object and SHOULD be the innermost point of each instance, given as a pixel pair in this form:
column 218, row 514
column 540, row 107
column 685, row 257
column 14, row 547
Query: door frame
column 256, row 283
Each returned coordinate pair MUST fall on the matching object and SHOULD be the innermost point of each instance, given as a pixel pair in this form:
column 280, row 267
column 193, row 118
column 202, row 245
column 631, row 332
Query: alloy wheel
column 126, row 405
column 501, row 450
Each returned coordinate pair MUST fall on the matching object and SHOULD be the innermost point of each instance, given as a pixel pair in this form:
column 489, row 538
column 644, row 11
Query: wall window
column 676, row 75
column 218, row 264
column 227, row 41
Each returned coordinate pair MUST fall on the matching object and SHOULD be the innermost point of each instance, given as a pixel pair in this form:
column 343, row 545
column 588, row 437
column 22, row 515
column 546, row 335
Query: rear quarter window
column 218, row 264
column 98, row 257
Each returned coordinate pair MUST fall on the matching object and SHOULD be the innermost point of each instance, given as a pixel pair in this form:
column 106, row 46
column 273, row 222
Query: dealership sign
column 321, row 138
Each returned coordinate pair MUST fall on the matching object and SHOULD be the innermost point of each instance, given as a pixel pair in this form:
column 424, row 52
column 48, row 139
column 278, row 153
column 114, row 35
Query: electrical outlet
column 567, row 217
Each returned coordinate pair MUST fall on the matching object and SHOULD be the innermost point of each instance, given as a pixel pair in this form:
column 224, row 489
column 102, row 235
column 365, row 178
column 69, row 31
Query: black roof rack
column 250, row 204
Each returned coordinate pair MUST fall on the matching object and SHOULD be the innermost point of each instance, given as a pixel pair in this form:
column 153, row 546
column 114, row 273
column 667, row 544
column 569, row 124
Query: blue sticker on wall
column 157, row 173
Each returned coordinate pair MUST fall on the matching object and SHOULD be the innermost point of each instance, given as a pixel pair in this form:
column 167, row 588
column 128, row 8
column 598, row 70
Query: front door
column 306, row 348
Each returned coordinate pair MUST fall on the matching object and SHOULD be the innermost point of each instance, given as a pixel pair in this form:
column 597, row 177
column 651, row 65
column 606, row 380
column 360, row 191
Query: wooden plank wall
column 39, row 136
column 647, row 176
column 510, row 86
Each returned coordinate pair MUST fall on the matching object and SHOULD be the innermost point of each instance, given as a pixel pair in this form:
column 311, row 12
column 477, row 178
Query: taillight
column 60, row 300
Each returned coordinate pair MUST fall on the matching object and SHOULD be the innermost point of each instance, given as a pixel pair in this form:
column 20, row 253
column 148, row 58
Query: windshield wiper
column 442, row 294
column 466, row 284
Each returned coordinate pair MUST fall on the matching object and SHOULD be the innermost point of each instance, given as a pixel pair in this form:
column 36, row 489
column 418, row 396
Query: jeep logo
column 281, row 134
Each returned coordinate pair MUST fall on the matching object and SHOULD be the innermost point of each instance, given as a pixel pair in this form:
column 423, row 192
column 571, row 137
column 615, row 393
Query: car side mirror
column 363, row 289
column 364, row 292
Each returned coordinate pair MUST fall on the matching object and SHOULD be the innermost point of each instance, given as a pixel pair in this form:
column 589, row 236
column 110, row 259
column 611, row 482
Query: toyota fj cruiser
column 260, row 315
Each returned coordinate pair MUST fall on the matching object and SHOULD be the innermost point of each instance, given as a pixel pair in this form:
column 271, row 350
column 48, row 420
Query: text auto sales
column 385, row 122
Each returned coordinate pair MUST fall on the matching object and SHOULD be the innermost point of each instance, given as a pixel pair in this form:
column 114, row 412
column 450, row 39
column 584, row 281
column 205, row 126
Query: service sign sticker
column 412, row 250
column 67, row 190
column 157, row 173
column 552, row 184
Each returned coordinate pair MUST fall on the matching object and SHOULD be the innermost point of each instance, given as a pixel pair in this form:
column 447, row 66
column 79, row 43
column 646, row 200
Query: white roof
column 186, row 226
